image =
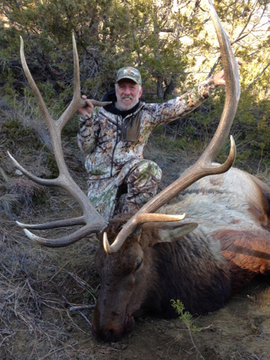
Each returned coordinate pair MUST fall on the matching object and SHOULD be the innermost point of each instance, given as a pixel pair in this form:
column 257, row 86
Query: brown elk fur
column 230, row 246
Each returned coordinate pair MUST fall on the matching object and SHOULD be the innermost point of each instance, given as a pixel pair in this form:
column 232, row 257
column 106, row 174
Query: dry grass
column 38, row 287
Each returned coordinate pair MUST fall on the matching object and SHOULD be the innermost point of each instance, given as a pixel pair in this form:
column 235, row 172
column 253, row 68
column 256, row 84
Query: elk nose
column 106, row 335
column 110, row 335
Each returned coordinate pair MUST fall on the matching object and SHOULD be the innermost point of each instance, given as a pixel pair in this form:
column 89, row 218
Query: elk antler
column 203, row 165
column 93, row 222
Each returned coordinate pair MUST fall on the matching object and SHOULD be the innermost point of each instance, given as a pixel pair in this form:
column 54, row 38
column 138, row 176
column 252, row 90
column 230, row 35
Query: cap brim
column 128, row 77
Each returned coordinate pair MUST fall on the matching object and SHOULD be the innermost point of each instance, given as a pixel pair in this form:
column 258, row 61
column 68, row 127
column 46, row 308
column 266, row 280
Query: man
column 114, row 137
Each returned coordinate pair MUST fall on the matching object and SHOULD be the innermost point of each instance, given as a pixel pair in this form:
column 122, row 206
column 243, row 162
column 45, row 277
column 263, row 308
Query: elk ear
column 170, row 231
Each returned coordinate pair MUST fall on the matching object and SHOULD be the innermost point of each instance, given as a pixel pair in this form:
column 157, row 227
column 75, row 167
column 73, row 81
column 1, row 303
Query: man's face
column 127, row 93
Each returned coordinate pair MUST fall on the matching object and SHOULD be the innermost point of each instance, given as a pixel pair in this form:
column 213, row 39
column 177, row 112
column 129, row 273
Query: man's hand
column 88, row 108
column 219, row 78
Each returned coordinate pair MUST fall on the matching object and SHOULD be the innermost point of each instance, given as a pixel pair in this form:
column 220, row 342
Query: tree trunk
column 160, row 86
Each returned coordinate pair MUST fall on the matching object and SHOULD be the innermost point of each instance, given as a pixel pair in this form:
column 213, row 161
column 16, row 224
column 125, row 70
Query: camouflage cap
column 129, row 72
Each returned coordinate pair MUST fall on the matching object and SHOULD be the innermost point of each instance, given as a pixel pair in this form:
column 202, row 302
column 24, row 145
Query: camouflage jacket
column 110, row 140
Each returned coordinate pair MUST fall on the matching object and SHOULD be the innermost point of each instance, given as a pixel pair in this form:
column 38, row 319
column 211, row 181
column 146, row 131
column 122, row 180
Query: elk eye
column 138, row 264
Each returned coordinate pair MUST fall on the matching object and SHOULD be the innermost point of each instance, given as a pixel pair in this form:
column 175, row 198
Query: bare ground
column 39, row 286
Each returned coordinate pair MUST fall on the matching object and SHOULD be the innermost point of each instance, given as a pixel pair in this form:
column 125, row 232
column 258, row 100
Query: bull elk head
column 91, row 220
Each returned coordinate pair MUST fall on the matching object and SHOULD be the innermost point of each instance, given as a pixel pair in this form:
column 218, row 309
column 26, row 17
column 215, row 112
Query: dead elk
column 147, row 259
column 203, row 269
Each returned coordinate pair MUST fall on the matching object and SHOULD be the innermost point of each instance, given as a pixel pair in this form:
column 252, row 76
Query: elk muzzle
column 112, row 327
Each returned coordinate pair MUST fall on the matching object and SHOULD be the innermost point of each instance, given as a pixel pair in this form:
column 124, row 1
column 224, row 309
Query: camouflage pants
column 129, row 190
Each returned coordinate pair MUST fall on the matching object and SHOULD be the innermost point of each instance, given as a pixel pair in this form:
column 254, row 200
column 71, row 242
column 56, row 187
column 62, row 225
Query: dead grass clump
column 246, row 355
column 264, row 299
column 26, row 190
column 8, row 202
column 18, row 194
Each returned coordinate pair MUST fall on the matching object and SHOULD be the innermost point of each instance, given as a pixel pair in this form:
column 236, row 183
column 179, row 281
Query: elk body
column 203, row 269
column 148, row 258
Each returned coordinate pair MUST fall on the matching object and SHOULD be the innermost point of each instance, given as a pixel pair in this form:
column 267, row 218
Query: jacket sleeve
column 88, row 128
column 181, row 105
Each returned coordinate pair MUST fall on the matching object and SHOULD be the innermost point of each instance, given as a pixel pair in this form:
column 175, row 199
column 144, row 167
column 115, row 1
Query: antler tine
column 203, row 166
column 77, row 102
column 65, row 240
column 54, row 224
column 32, row 84
column 93, row 221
